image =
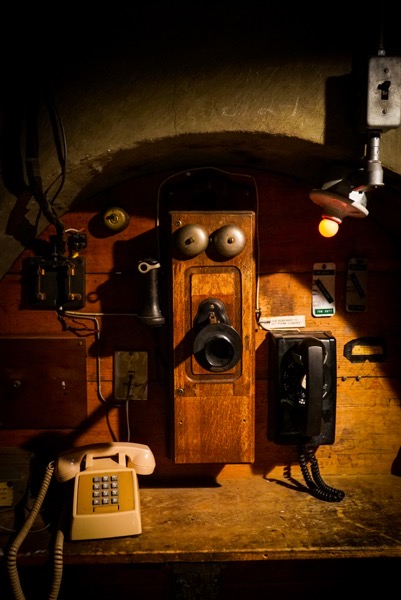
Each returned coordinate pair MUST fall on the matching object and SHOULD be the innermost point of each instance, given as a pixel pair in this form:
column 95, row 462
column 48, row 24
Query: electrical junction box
column 384, row 93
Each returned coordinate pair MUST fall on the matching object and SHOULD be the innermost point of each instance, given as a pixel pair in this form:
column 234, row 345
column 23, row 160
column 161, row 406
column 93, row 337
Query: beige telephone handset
column 106, row 495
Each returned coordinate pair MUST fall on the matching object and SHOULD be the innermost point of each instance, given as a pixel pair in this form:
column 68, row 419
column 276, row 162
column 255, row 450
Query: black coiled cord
column 315, row 483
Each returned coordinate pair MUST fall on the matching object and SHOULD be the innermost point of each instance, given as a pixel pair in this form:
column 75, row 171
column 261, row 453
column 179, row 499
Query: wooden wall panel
column 368, row 434
column 42, row 382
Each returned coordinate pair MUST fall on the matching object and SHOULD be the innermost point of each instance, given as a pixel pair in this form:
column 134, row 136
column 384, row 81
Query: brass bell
column 116, row 219
column 229, row 240
column 191, row 239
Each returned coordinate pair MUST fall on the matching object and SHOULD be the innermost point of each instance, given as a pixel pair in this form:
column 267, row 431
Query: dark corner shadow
column 48, row 444
column 396, row 466
column 342, row 127
column 13, row 172
column 12, row 163
column 19, row 227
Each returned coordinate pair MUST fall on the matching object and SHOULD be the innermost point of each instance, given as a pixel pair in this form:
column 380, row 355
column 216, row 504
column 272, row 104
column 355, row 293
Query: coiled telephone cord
column 315, row 483
column 12, row 555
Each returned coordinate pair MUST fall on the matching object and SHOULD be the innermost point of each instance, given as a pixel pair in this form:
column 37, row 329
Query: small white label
column 283, row 322
column 323, row 286
column 356, row 292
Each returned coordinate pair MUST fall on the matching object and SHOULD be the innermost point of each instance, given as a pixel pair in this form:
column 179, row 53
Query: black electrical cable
column 60, row 144
column 315, row 483
column 33, row 166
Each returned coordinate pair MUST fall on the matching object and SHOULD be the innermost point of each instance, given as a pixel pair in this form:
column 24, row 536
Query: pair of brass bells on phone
column 193, row 239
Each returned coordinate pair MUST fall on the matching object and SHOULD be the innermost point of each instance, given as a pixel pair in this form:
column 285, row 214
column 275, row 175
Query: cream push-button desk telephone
column 106, row 496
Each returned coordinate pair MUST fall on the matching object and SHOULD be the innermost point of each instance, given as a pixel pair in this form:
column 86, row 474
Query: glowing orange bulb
column 328, row 228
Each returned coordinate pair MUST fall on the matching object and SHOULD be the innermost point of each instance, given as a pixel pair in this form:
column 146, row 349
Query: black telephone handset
column 304, row 383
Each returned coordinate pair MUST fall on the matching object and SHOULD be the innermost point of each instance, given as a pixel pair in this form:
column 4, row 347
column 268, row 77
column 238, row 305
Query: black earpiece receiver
column 151, row 314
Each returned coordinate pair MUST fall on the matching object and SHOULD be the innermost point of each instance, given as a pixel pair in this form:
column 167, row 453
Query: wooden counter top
column 250, row 519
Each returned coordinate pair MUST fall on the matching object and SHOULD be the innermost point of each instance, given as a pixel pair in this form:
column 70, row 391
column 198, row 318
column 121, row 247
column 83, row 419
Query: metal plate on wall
column 42, row 383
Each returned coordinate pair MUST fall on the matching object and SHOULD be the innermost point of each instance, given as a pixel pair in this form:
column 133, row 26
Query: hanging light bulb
column 337, row 207
column 328, row 227
column 344, row 194
column 339, row 198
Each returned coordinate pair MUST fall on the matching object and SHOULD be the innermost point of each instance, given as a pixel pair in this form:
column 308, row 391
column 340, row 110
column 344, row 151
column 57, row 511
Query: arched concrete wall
column 164, row 87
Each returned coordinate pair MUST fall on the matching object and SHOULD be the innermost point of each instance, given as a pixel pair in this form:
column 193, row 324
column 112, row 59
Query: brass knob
column 116, row 219
column 229, row 240
column 191, row 239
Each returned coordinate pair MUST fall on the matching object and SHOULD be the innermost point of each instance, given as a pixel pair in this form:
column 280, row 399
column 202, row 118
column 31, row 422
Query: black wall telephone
column 302, row 402
column 302, row 407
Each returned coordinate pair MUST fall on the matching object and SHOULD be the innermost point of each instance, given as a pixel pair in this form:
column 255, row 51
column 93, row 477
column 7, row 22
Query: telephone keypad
column 104, row 492
column 104, row 487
